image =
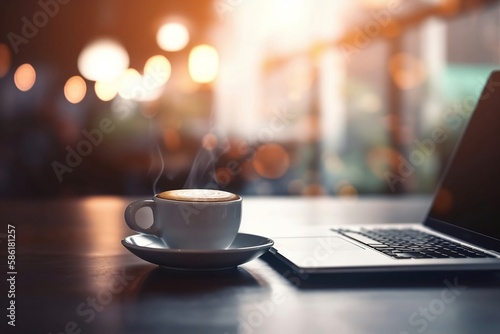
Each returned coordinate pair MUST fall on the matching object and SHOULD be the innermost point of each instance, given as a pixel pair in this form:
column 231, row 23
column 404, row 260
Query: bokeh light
column 75, row 89
column 25, row 77
column 407, row 71
column 382, row 159
column 148, row 87
column 393, row 29
column 172, row 37
column 271, row 161
column 106, row 90
column 5, row 59
column 224, row 175
column 333, row 163
column 299, row 77
column 209, row 141
column 130, row 84
column 375, row 3
column 186, row 85
column 449, row 7
column 157, row 71
column 171, row 139
column 103, row 59
column 203, row 63
column 443, row 201
column 370, row 102
column 344, row 188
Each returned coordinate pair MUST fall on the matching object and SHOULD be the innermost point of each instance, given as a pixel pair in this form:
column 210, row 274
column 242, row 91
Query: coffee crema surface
column 198, row 195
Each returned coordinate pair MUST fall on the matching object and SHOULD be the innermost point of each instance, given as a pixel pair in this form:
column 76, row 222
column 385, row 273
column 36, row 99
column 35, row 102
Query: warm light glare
column 209, row 141
column 450, row 7
column 171, row 139
column 103, row 59
column 5, row 59
column 172, row 37
column 106, row 90
column 25, row 77
column 370, row 102
column 149, row 86
column 157, row 71
column 443, row 201
column 344, row 188
column 295, row 18
column 375, row 3
column 203, row 63
column 299, row 76
column 381, row 159
column 271, row 161
column 75, row 89
column 407, row 71
column 130, row 84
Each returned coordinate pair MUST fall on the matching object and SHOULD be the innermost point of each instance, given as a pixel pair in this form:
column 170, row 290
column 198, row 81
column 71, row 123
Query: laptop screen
column 469, row 194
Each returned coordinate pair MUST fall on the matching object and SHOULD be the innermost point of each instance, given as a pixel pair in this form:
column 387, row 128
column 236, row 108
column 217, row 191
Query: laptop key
column 454, row 255
column 407, row 243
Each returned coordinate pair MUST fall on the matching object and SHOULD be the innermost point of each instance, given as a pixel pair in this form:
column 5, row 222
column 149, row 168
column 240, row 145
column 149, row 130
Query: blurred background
column 281, row 97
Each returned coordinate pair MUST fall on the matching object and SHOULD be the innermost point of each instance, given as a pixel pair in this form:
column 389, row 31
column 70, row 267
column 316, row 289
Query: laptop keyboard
column 412, row 244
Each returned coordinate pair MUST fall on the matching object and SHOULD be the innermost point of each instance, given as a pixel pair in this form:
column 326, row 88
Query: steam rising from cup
column 202, row 174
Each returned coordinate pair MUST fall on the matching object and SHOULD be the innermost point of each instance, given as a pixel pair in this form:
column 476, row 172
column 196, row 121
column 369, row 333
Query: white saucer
column 244, row 248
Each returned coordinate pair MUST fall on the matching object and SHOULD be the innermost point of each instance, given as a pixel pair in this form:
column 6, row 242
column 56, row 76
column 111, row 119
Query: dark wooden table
column 74, row 276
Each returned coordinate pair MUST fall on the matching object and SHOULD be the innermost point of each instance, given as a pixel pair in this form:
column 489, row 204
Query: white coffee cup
column 191, row 218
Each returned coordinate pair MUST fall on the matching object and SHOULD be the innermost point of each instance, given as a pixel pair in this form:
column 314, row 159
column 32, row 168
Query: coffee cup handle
column 130, row 212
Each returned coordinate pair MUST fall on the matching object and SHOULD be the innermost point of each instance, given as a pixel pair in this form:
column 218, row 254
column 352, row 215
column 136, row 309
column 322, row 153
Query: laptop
column 461, row 231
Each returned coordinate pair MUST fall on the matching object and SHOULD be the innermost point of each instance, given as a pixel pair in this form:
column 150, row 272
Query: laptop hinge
column 471, row 237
